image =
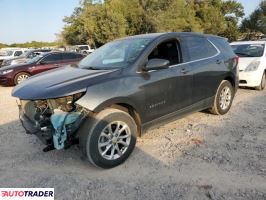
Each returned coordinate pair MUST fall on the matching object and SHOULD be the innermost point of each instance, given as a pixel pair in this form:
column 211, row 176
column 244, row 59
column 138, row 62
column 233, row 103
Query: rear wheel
column 263, row 83
column 108, row 138
column 223, row 98
column 20, row 77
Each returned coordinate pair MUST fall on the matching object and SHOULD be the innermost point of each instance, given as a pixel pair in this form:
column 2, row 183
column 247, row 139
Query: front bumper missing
column 60, row 134
column 32, row 128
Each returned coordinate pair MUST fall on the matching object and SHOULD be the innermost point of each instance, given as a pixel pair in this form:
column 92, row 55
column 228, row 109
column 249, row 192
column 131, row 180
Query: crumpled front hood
column 57, row 83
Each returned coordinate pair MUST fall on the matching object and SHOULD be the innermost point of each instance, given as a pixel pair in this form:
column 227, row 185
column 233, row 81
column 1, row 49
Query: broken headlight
column 65, row 104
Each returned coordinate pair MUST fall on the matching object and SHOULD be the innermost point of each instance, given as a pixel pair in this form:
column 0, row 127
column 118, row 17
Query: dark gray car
column 128, row 85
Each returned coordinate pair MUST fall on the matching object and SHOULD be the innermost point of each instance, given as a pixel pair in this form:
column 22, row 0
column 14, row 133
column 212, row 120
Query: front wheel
column 263, row 83
column 223, row 98
column 20, row 77
column 108, row 138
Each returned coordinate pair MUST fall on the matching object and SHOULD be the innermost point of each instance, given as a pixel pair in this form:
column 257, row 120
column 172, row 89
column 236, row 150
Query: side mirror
column 155, row 64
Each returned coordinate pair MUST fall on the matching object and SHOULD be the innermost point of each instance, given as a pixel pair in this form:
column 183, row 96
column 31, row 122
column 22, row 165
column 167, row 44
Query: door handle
column 218, row 62
column 184, row 71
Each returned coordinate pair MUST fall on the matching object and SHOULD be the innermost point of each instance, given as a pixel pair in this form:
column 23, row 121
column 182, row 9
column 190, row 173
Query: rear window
column 223, row 46
column 248, row 50
column 199, row 48
column 53, row 57
column 70, row 56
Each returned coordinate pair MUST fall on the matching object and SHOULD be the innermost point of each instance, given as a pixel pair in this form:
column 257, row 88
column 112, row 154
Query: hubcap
column 114, row 140
column 225, row 98
column 22, row 78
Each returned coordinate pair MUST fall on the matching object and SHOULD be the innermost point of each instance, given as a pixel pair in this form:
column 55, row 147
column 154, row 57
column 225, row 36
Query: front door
column 166, row 90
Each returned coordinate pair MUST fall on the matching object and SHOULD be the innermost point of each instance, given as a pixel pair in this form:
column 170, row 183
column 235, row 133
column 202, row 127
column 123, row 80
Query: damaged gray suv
column 126, row 86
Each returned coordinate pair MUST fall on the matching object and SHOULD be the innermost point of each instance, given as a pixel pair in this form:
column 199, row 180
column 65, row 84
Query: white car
column 6, row 54
column 86, row 49
column 252, row 63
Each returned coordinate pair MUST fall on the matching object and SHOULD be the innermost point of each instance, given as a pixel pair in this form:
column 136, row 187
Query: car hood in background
column 15, row 66
column 245, row 61
column 57, row 83
column 5, row 57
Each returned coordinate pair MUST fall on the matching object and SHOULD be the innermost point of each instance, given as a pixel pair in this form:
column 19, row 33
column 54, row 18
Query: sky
column 39, row 20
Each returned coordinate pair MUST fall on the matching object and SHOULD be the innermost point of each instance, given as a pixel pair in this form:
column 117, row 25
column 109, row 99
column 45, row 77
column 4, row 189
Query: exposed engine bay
column 55, row 121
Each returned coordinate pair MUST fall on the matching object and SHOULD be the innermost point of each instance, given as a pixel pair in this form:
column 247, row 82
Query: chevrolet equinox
column 128, row 85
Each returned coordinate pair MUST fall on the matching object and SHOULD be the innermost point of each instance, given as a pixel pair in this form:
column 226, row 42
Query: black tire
column 262, row 83
column 217, row 108
column 19, row 75
column 90, row 133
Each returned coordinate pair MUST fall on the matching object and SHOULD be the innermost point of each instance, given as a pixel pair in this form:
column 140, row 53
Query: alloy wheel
column 114, row 140
column 225, row 98
column 22, row 78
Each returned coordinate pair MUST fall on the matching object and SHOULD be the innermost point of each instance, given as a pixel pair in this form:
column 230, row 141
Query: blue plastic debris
column 60, row 120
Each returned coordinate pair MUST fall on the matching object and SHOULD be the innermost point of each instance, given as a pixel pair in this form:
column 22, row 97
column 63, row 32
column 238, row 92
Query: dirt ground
column 202, row 156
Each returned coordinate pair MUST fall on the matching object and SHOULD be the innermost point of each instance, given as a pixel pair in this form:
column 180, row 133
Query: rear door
column 205, row 63
column 71, row 58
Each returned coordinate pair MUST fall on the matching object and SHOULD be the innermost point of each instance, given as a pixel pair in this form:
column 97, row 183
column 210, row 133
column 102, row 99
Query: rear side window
column 199, row 48
column 53, row 58
column 71, row 56
column 18, row 53
column 224, row 47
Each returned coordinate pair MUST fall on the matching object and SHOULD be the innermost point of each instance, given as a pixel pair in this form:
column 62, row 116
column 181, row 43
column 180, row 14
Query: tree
column 100, row 23
column 220, row 17
column 256, row 22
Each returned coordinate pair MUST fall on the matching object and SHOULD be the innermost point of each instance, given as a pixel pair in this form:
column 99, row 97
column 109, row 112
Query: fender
column 105, row 94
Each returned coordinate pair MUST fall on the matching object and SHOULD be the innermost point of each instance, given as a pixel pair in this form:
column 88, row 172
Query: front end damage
column 54, row 121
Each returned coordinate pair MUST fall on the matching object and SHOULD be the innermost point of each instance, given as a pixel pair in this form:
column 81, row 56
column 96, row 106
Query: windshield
column 9, row 53
column 117, row 54
column 249, row 50
column 35, row 59
column 25, row 54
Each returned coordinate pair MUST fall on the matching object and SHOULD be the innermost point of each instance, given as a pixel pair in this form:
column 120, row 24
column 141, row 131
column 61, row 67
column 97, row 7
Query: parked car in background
column 124, row 87
column 15, row 74
column 10, row 53
column 85, row 49
column 23, row 58
column 252, row 63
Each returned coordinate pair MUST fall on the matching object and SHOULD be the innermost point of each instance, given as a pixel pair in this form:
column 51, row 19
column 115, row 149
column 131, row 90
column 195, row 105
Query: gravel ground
column 202, row 156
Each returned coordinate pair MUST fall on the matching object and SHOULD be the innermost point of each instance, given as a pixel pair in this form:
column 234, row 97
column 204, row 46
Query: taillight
column 236, row 61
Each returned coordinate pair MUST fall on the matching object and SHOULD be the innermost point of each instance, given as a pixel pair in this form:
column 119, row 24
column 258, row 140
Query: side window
column 70, row 56
column 168, row 50
column 53, row 58
column 199, row 48
column 224, row 47
column 18, row 53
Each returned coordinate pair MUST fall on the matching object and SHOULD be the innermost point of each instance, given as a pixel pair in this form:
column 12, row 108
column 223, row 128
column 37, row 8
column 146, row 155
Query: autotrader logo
column 27, row 193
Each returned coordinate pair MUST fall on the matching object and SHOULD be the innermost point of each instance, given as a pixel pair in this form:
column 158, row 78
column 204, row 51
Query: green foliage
column 2, row 45
column 256, row 22
column 100, row 23
column 33, row 44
